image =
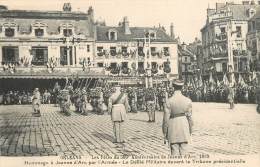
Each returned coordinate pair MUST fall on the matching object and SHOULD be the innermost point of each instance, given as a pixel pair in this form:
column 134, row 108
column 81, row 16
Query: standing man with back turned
column 118, row 106
column 177, row 121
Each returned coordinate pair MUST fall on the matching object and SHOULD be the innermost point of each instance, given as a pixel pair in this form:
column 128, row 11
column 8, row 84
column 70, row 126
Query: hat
column 178, row 82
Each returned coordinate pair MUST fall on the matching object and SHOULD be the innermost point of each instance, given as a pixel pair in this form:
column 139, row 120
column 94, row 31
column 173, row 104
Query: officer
column 36, row 102
column 177, row 121
column 150, row 103
column 118, row 106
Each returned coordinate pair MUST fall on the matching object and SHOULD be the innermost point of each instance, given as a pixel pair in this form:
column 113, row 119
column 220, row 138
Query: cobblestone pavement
column 218, row 130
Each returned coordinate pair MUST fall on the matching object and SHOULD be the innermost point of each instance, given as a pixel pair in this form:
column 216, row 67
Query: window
column 112, row 35
column 113, row 65
column 154, row 64
column 223, row 30
column 124, row 64
column 112, row 51
column 124, row 49
column 39, row 32
column 9, row 32
column 140, row 51
column 185, row 59
column 88, row 48
column 238, row 30
column 10, row 54
column 166, row 51
column 40, row 55
column 239, row 46
column 67, row 32
column 100, row 64
column 100, row 48
column 224, row 67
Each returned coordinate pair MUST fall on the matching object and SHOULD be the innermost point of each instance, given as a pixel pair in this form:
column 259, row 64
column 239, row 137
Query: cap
column 178, row 82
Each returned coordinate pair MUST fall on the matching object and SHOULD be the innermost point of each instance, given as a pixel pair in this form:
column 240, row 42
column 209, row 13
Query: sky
column 188, row 16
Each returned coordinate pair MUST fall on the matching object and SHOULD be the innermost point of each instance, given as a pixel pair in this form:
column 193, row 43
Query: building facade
column 224, row 37
column 38, row 37
column 253, row 43
column 135, row 49
column 187, row 62
column 58, row 44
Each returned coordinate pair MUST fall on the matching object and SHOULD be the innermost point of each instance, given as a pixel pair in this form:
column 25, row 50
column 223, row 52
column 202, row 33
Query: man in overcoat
column 177, row 120
column 118, row 106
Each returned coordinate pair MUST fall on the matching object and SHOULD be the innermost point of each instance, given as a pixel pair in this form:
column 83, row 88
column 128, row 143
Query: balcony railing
column 239, row 52
column 221, row 37
column 57, row 71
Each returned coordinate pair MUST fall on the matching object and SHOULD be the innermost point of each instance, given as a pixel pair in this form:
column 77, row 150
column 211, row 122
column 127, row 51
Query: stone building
column 56, row 45
column 224, row 37
column 253, row 43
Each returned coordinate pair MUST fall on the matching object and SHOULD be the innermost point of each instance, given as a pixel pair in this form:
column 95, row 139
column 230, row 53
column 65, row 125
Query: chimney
column 245, row 2
column 125, row 25
column 252, row 2
column 172, row 31
column 219, row 6
column 183, row 46
column 67, row 7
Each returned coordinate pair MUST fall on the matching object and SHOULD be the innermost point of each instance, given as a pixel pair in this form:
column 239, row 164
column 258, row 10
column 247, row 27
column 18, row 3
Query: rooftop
column 136, row 32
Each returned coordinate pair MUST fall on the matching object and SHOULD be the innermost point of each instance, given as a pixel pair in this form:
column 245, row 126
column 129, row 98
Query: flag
column 225, row 80
column 218, row 83
column 241, row 80
column 211, row 80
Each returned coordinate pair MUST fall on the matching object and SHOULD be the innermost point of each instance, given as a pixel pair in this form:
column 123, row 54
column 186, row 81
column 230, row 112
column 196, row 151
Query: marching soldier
column 177, row 121
column 118, row 106
column 36, row 102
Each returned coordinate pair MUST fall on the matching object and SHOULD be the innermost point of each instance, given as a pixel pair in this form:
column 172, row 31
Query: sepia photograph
column 130, row 83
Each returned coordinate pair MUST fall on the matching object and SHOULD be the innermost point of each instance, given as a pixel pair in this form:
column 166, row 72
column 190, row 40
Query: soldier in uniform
column 177, row 121
column 36, row 102
column 118, row 106
column 150, row 104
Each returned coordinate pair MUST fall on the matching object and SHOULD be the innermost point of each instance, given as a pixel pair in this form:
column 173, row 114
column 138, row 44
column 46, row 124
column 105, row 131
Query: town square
column 78, row 80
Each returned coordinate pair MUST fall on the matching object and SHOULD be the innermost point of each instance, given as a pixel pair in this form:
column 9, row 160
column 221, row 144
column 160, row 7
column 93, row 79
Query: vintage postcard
column 129, row 83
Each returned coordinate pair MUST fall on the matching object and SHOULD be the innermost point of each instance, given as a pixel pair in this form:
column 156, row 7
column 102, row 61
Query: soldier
column 132, row 99
column 65, row 103
column 177, row 121
column 36, row 102
column 46, row 97
column 150, row 104
column 231, row 96
column 118, row 106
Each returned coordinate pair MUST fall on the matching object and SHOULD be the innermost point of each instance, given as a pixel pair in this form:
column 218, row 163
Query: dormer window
column 9, row 32
column 251, row 12
column 150, row 34
column 39, row 32
column 112, row 34
column 67, row 32
column 39, row 28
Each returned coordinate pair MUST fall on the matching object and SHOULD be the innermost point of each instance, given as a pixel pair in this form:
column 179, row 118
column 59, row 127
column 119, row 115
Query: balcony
column 47, row 73
column 239, row 52
column 221, row 37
